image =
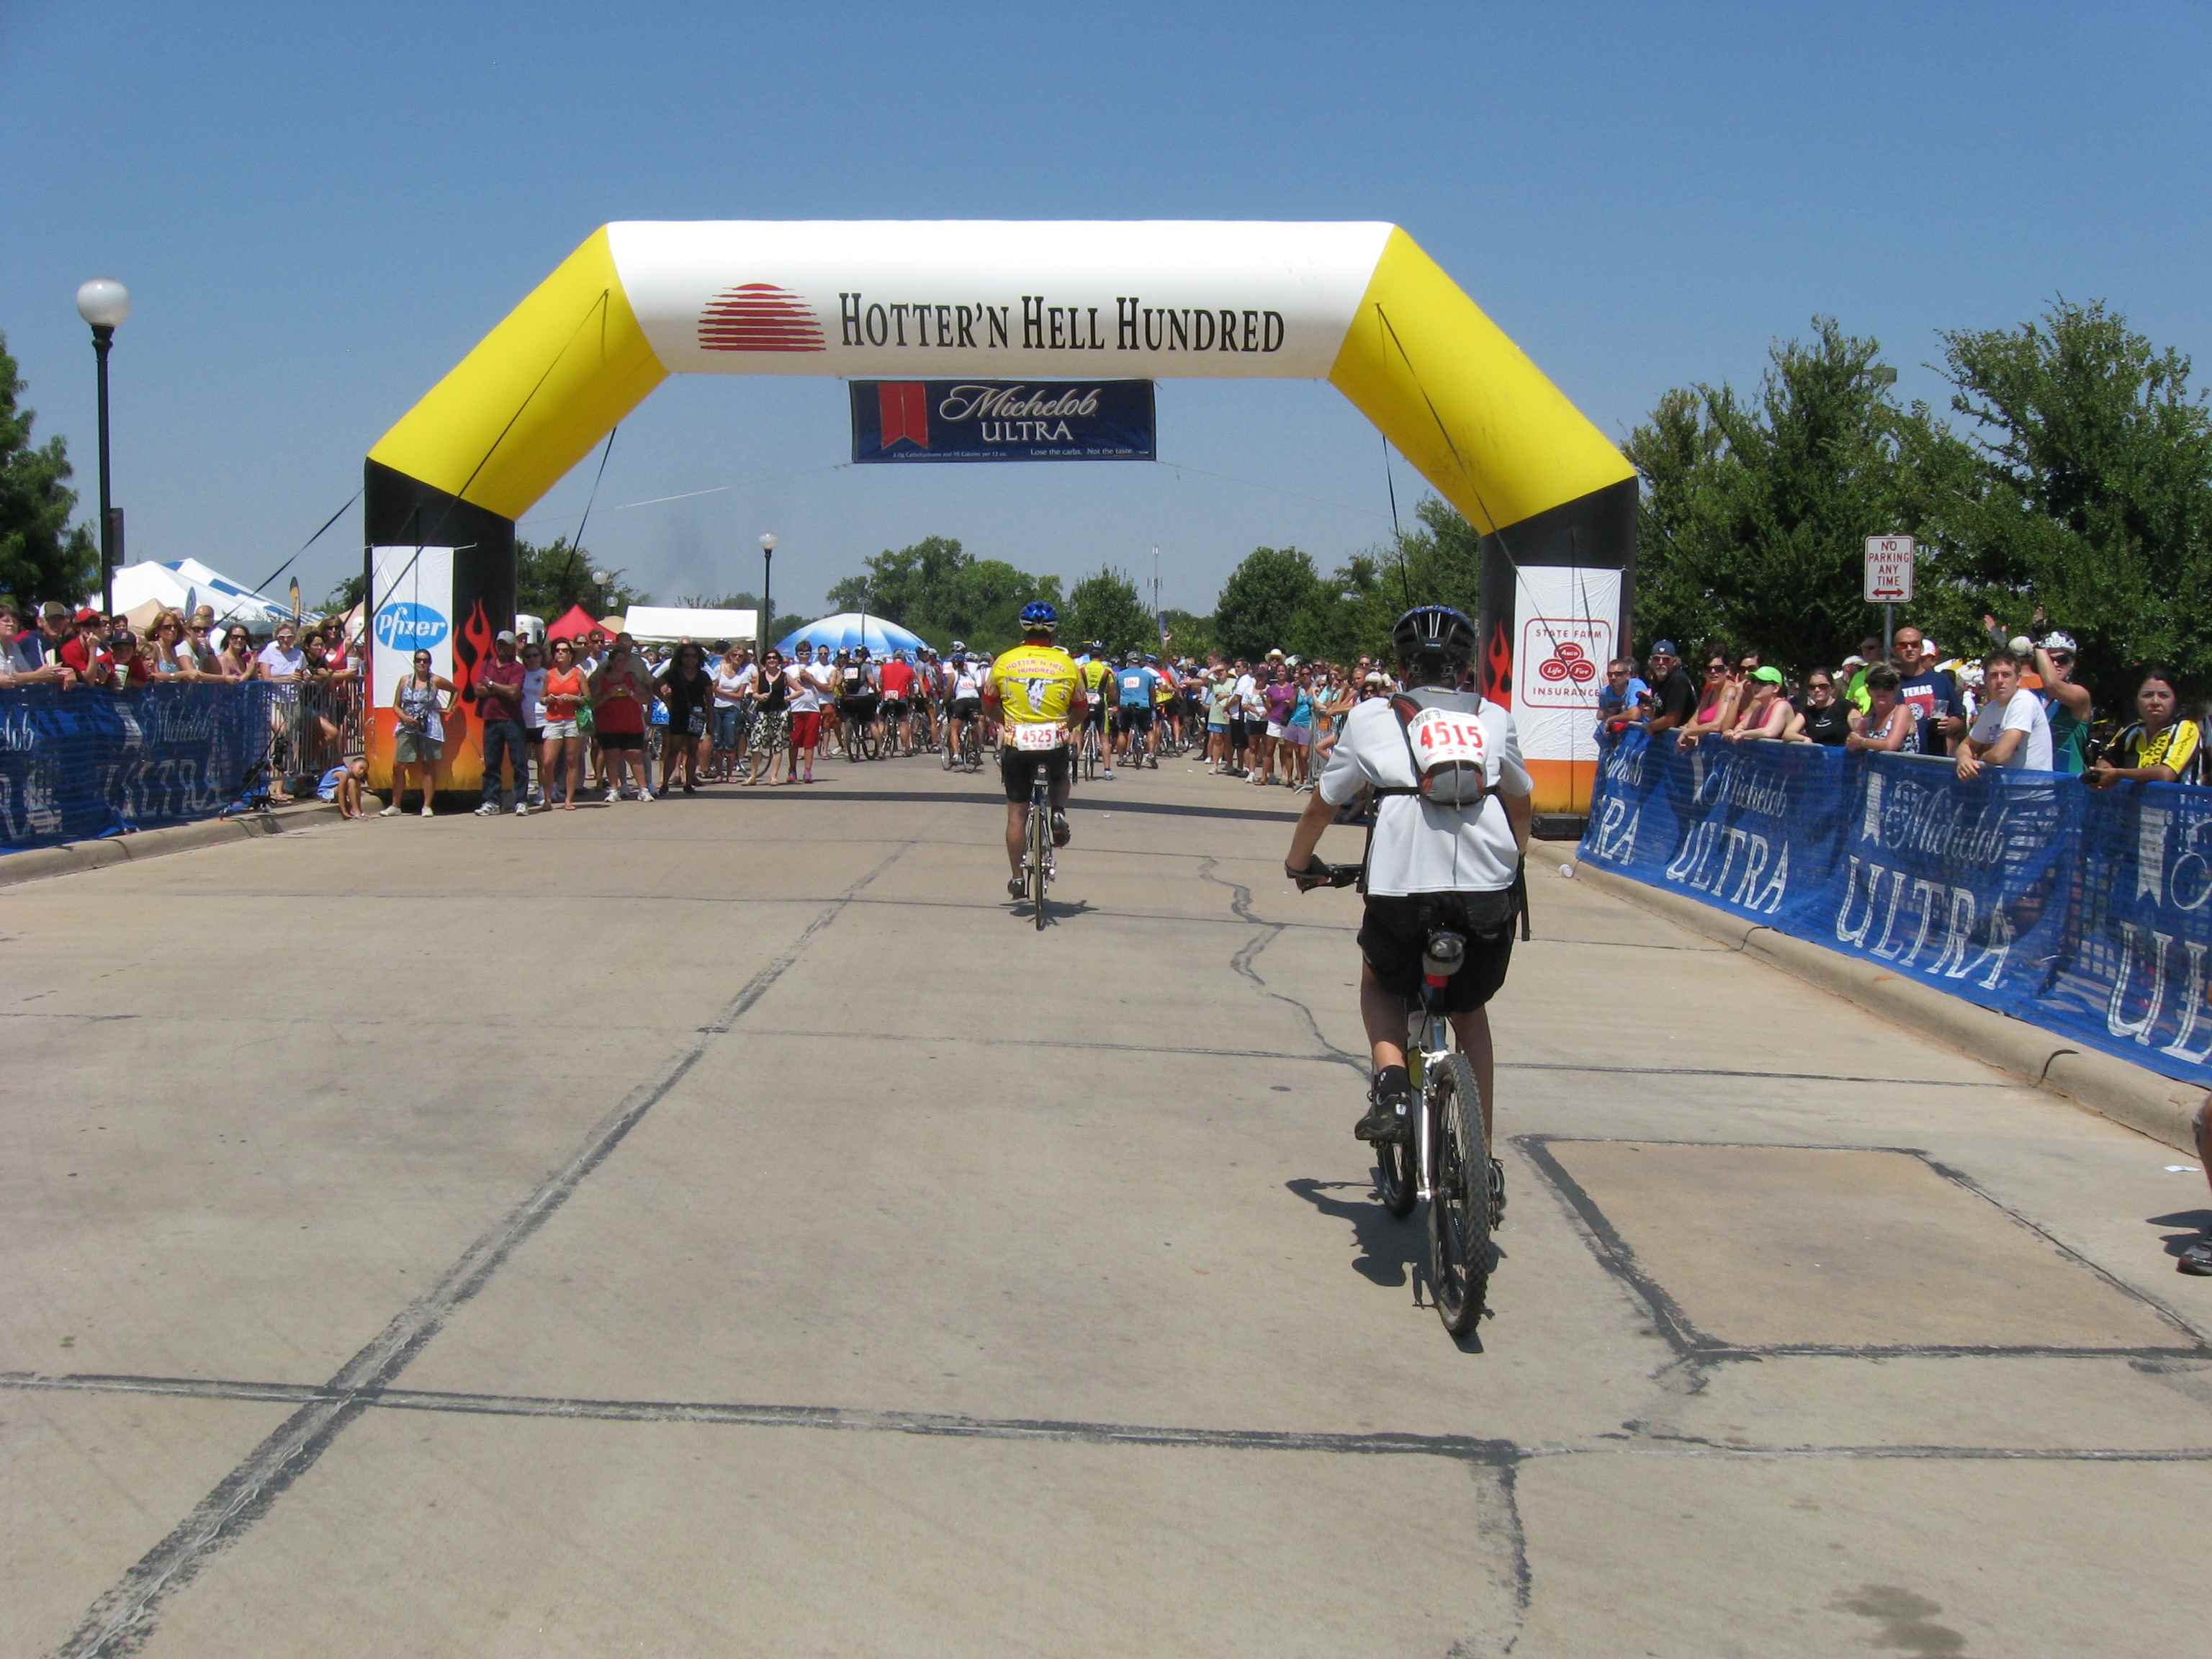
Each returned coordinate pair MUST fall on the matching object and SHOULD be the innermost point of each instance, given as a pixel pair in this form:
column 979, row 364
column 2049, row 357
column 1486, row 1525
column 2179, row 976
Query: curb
column 39, row 862
column 2159, row 1107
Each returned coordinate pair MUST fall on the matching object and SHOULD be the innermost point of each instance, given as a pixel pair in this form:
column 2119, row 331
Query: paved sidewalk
column 726, row 1226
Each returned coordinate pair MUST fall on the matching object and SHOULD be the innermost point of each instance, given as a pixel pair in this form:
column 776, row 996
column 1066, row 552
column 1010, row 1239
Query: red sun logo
column 759, row 317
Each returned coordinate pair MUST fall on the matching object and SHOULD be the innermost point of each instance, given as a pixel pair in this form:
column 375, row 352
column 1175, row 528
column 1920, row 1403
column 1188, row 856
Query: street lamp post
column 599, row 581
column 767, row 584
column 104, row 303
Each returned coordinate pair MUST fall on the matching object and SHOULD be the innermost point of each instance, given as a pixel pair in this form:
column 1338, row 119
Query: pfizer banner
column 907, row 421
column 412, row 591
column 2085, row 912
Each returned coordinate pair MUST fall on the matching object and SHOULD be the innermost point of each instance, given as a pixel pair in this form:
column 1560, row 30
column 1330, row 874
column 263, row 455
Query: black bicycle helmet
column 1434, row 633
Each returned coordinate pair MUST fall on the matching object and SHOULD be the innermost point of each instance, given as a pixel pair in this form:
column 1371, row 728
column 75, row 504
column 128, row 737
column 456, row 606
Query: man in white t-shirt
column 1430, row 865
column 2010, row 728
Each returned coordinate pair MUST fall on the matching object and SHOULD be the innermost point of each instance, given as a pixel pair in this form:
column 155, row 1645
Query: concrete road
column 726, row 1226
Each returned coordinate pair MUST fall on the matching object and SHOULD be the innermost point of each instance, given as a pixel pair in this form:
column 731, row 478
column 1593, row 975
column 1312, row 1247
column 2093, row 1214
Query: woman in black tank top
column 771, row 714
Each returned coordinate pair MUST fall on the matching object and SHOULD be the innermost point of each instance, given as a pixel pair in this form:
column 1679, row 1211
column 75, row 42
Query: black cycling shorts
column 1395, row 931
column 894, row 709
column 1016, row 766
column 1132, row 717
column 1095, row 716
column 966, row 708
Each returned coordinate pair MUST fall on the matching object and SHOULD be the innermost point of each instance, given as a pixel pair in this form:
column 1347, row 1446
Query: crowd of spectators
column 315, row 668
column 2016, row 704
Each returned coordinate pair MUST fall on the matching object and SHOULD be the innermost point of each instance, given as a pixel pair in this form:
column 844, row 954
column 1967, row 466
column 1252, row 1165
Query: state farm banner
column 1003, row 421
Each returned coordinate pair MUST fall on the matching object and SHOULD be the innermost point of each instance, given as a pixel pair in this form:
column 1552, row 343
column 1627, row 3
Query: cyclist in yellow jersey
column 1036, row 683
column 1095, row 672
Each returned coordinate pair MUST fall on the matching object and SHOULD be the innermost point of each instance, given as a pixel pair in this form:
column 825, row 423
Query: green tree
column 2081, row 483
column 1189, row 635
column 345, row 595
column 1262, row 600
column 914, row 585
column 550, row 576
column 1757, row 509
column 985, row 606
column 1106, row 606
column 42, row 555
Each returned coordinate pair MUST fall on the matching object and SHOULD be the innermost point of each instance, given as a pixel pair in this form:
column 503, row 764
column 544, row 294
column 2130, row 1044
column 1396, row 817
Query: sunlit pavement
column 726, row 1225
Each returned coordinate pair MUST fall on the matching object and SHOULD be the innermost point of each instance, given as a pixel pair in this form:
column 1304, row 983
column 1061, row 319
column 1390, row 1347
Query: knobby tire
column 1459, row 1206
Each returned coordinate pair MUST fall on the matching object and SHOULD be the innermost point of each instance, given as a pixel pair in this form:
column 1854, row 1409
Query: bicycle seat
column 1443, row 957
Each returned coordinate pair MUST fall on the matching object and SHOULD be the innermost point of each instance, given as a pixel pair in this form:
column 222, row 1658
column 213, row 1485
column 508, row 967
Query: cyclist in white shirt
column 1445, row 851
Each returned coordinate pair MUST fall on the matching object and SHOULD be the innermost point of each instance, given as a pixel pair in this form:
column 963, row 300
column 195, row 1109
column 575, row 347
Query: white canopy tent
column 182, row 584
column 666, row 623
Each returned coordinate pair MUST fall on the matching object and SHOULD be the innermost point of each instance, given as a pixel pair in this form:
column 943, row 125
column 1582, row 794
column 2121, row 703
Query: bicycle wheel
column 1394, row 1177
column 1459, row 1206
column 1039, row 841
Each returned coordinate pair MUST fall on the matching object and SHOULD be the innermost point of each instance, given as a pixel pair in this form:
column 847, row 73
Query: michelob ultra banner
column 2085, row 912
column 1003, row 421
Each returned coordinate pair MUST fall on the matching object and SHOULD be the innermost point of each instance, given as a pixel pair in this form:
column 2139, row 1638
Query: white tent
column 181, row 584
column 667, row 623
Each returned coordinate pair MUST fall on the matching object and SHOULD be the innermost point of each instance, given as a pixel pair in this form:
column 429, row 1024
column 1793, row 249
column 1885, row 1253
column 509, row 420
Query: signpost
column 1888, row 577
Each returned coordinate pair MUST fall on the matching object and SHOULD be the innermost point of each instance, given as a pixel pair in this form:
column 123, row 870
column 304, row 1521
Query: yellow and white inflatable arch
column 1360, row 306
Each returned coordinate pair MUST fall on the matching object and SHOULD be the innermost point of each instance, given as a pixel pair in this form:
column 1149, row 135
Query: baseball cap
column 1771, row 675
column 505, row 636
column 1665, row 648
column 88, row 615
column 2057, row 640
column 1374, row 676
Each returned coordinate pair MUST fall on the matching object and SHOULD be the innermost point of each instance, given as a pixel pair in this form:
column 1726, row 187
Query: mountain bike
column 1446, row 1162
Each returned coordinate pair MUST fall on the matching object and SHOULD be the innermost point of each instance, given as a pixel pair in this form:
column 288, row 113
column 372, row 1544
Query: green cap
column 1771, row 675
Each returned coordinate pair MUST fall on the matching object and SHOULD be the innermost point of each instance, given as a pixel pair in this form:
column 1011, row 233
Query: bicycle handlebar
column 1318, row 874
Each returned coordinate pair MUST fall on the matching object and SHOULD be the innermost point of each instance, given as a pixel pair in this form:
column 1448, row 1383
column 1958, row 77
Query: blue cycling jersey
column 1135, row 686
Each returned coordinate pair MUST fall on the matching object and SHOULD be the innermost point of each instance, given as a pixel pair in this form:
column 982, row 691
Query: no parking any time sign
column 1889, row 570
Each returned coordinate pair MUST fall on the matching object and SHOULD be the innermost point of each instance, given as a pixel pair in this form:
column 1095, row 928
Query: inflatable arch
column 1359, row 304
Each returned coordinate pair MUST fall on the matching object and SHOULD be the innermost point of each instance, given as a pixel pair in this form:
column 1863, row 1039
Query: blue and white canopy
column 850, row 627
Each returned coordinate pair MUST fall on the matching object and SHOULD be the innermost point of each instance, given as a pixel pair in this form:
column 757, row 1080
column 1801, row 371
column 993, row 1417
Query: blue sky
column 319, row 210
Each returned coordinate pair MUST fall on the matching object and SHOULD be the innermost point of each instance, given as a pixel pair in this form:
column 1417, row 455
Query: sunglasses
column 2061, row 656
column 1819, row 685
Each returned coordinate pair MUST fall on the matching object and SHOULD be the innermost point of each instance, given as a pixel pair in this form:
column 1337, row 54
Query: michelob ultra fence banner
column 2085, row 912
column 1003, row 421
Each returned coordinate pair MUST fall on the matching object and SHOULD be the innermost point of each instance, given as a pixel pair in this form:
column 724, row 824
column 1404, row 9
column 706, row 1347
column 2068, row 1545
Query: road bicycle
column 970, row 752
column 1090, row 752
column 1036, row 742
column 1446, row 1163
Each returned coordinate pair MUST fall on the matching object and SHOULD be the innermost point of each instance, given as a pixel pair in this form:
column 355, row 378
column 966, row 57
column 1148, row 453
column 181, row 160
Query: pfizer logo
column 406, row 626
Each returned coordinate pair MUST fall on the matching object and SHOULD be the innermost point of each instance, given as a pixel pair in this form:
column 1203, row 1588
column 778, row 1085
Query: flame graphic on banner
column 474, row 639
column 1497, row 667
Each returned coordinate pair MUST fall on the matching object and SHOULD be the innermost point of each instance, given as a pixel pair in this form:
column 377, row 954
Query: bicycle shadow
column 1390, row 1250
column 2198, row 1222
column 1055, row 910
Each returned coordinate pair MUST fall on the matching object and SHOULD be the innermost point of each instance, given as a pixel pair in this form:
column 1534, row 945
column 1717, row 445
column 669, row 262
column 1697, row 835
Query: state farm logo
column 759, row 317
column 1568, row 663
column 1562, row 662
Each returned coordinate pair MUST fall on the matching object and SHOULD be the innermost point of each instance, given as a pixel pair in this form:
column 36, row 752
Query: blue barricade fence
column 83, row 764
column 2084, row 911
